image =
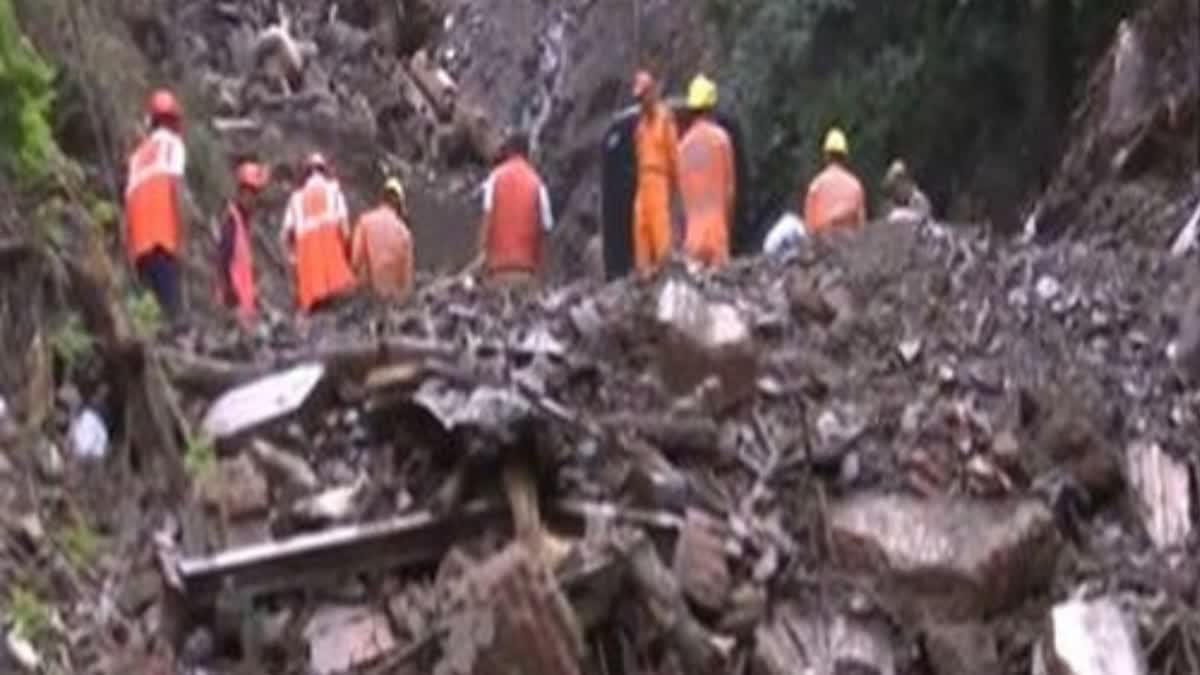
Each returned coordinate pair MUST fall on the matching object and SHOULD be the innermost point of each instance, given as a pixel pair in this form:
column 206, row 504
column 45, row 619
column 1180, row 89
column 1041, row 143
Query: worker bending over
column 835, row 198
column 706, row 178
column 382, row 252
column 906, row 203
column 154, row 194
column 235, row 252
column 516, row 215
column 314, row 234
column 656, row 141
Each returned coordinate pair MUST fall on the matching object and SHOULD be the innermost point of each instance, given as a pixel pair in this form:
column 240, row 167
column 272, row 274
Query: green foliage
column 72, row 344
column 964, row 91
column 200, row 457
column 29, row 615
column 26, row 95
column 144, row 313
column 81, row 544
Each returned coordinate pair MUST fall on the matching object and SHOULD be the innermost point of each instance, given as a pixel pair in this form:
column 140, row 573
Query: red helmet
column 163, row 104
column 316, row 161
column 252, row 175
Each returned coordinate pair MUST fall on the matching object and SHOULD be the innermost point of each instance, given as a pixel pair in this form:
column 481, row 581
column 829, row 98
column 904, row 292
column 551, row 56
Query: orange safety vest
column 835, row 199
column 514, row 237
column 383, row 248
column 150, row 211
column 706, row 179
column 240, row 274
column 322, row 270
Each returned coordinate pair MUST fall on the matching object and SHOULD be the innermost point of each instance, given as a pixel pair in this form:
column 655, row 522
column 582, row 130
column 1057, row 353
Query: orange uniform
column 239, row 267
column 316, row 221
column 657, row 172
column 517, row 210
column 835, row 199
column 706, row 179
column 383, row 252
column 150, row 194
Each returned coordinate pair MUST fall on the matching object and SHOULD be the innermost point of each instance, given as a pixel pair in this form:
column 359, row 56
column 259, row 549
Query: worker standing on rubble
column 382, row 250
column 656, row 141
column 314, row 235
column 516, row 216
column 154, row 194
column 906, row 203
column 235, row 253
column 835, row 197
column 707, row 179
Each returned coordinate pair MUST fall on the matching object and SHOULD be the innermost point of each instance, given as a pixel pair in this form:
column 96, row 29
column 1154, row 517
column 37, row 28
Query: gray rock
column 1089, row 638
column 1162, row 493
column 342, row 638
column 50, row 461
column 795, row 641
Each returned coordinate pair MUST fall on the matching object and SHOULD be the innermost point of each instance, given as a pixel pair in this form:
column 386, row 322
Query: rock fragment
column 1089, row 638
column 700, row 561
column 958, row 648
column 1163, row 493
column 282, row 465
column 958, row 558
column 236, row 488
column 342, row 638
column 50, row 461
column 795, row 641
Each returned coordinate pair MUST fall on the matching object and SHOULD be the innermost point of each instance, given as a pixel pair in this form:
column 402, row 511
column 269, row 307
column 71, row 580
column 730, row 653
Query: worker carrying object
column 235, row 252
column 906, row 203
column 154, row 192
column 707, row 178
column 516, row 217
column 314, row 235
column 835, row 197
column 382, row 251
column 656, row 142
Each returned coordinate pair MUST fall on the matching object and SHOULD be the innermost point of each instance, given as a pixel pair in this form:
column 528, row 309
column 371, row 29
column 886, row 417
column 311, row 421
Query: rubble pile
column 899, row 452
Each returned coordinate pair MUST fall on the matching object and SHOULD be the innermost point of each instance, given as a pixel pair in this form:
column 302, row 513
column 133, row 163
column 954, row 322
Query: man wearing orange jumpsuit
column 706, row 178
column 235, row 252
column 835, row 198
column 382, row 251
column 315, row 228
column 657, row 142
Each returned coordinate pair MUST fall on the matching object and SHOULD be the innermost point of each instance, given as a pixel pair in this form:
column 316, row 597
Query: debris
column 1164, row 494
column 700, row 563
column 794, row 641
column 957, row 648
column 910, row 349
column 236, row 489
column 334, row 505
column 89, row 435
column 262, row 402
column 50, row 461
column 1187, row 236
column 982, row 556
column 342, row 638
column 1089, row 638
column 280, row 464
column 23, row 651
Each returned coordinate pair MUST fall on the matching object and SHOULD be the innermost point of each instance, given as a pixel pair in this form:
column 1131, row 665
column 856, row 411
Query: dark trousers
column 159, row 271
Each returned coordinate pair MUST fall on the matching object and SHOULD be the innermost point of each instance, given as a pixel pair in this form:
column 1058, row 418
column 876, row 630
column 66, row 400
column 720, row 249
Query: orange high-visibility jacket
column 150, row 206
column 657, row 172
column 835, row 199
column 241, row 265
column 383, row 252
column 515, row 204
column 317, row 221
column 706, row 179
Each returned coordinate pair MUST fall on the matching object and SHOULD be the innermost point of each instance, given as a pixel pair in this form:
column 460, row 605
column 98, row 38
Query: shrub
column 26, row 95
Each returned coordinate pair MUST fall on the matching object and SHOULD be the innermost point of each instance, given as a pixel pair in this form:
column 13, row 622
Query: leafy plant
column 72, row 344
column 144, row 313
column 200, row 457
column 82, row 544
column 26, row 96
column 29, row 615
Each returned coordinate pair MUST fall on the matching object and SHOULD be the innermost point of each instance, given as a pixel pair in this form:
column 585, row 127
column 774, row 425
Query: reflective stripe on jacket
column 514, row 229
column 316, row 218
column 835, row 199
column 382, row 251
column 706, row 179
column 150, row 206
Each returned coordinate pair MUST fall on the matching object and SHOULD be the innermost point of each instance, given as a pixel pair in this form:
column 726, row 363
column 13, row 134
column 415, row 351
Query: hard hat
column 252, row 175
column 835, row 142
column 702, row 93
column 394, row 187
column 316, row 161
column 643, row 82
column 162, row 104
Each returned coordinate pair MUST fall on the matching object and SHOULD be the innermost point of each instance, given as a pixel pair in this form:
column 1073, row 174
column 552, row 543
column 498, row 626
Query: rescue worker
column 382, row 250
column 516, row 216
column 788, row 234
column 314, row 235
column 835, row 197
column 656, row 143
column 906, row 203
column 154, row 195
column 235, row 254
column 707, row 178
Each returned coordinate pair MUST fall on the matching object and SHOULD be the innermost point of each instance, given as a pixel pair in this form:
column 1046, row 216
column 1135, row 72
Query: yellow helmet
column 835, row 142
column 702, row 93
column 394, row 187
